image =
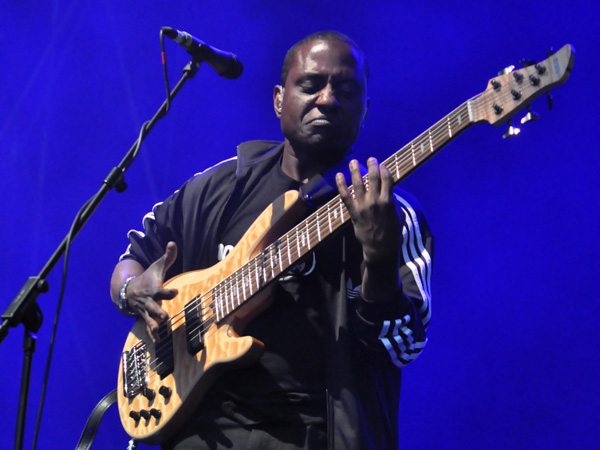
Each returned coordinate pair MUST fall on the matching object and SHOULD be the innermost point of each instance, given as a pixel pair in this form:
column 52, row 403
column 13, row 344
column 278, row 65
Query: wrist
column 122, row 302
column 380, row 282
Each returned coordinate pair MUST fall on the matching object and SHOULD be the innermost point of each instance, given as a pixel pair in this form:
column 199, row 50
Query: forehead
column 327, row 58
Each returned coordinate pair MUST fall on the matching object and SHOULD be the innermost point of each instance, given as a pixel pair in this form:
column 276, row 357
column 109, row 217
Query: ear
column 366, row 111
column 278, row 100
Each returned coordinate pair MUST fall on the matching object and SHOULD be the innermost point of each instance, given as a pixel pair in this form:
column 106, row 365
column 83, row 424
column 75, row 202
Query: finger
column 162, row 264
column 357, row 181
column 166, row 294
column 387, row 184
column 374, row 177
column 170, row 256
column 154, row 311
column 152, row 327
column 340, row 181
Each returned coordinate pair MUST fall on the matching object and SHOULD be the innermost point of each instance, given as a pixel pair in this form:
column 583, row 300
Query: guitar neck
column 408, row 158
column 278, row 257
column 504, row 97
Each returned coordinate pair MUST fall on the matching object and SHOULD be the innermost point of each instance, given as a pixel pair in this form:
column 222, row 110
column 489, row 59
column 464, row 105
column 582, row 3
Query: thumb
column 163, row 264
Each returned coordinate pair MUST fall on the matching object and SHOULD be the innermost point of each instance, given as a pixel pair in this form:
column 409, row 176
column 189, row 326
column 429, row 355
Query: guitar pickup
column 164, row 364
column 193, row 328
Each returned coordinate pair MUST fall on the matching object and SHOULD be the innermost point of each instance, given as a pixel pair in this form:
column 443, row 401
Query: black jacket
column 366, row 344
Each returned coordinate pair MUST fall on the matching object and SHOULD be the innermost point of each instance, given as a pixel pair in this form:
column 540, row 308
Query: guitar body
column 223, row 347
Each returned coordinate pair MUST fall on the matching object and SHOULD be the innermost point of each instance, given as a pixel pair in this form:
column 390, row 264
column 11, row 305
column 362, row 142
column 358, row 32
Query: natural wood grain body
column 223, row 349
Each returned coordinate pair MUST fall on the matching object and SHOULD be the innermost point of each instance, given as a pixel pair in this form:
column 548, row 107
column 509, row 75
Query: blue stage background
column 512, row 359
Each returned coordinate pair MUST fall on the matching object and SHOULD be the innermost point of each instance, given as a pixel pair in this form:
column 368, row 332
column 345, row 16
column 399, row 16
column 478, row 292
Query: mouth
column 321, row 121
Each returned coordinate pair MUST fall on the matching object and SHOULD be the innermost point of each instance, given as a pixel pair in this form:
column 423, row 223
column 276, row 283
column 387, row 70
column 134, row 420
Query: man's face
column 324, row 100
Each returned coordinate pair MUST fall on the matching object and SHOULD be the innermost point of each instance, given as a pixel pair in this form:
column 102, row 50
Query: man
column 342, row 322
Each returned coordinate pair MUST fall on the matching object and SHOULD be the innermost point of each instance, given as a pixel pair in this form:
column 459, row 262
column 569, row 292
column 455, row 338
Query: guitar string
column 395, row 165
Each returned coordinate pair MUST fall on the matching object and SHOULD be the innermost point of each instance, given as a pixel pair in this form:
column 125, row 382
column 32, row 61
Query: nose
column 326, row 97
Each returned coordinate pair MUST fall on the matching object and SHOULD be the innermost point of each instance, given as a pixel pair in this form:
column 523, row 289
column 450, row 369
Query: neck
column 301, row 165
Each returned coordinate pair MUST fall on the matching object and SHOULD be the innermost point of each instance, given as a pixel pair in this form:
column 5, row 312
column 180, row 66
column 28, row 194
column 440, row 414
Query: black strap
column 93, row 422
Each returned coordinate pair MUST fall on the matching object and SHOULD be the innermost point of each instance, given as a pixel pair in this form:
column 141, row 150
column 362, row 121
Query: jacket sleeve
column 186, row 218
column 161, row 225
column 396, row 330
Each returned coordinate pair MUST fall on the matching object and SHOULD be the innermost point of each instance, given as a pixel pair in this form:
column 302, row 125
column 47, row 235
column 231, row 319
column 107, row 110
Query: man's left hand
column 373, row 212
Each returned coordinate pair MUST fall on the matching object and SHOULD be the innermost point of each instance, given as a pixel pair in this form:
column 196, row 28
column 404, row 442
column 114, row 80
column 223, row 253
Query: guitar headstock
column 509, row 93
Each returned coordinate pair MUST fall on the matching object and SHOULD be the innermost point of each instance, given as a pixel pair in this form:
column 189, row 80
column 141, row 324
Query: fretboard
column 265, row 267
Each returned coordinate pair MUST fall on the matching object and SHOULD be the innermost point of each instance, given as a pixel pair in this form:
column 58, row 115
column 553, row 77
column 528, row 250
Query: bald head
column 326, row 36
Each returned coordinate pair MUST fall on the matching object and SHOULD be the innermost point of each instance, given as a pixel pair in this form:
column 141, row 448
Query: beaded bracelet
column 123, row 305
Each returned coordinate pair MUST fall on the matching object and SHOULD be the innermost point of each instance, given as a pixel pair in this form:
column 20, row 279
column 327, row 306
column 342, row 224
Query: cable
column 71, row 235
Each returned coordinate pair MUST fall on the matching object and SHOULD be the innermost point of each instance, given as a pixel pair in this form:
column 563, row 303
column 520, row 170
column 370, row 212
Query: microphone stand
column 24, row 308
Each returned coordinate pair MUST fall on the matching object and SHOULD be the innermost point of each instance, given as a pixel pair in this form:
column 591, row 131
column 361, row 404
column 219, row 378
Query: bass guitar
column 160, row 385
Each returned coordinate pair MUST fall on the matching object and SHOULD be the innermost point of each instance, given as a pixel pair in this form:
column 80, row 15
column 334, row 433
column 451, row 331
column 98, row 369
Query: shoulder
column 215, row 177
column 223, row 169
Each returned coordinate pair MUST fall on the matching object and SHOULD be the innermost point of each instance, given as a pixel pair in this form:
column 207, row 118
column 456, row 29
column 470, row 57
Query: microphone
column 226, row 64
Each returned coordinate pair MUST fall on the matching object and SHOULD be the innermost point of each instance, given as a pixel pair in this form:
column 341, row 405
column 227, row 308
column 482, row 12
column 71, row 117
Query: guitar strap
column 319, row 189
column 322, row 187
column 91, row 427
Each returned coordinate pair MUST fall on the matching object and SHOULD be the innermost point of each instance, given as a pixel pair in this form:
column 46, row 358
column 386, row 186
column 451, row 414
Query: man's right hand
column 145, row 292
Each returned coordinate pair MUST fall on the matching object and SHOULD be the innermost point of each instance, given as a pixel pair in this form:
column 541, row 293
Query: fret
column 227, row 294
column 215, row 300
column 470, row 111
column 449, row 127
column 430, row 141
column 225, row 298
column 329, row 216
column 237, row 292
column 318, row 227
column 298, row 242
column 247, row 282
column 412, row 150
column 279, row 259
column 263, row 267
column 307, row 233
column 231, row 296
column 289, row 251
column 256, row 275
column 272, row 261
column 397, row 165
column 217, row 303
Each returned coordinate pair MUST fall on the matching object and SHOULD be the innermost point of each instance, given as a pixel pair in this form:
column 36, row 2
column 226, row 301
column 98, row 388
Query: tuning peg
column 527, row 62
column 530, row 116
column 512, row 131
column 506, row 70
